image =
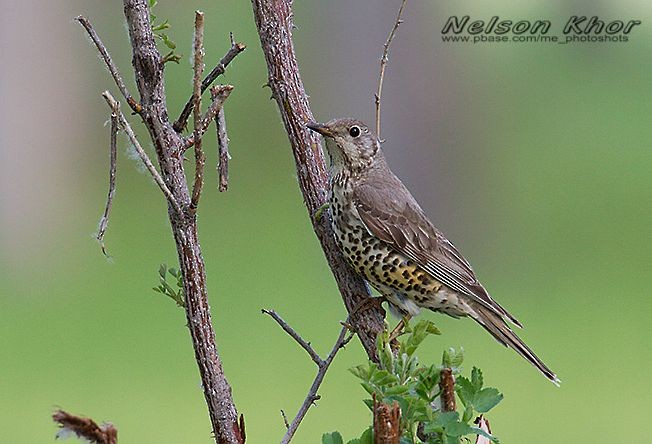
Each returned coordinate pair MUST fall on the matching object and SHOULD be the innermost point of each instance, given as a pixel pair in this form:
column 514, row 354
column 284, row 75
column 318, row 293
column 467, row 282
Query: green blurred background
column 535, row 159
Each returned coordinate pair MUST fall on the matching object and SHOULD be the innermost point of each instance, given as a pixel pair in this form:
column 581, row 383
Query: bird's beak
column 320, row 128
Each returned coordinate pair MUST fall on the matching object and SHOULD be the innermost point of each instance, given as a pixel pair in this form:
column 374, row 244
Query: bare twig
column 220, row 94
column 115, row 108
column 322, row 365
column 147, row 61
column 274, row 23
column 135, row 106
column 383, row 65
column 302, row 342
column 104, row 221
column 148, row 68
column 387, row 422
column 200, row 158
column 285, row 419
column 236, row 48
column 223, row 151
column 447, row 387
column 84, row 428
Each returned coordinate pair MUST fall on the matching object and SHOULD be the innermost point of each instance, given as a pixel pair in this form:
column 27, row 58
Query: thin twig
column 312, row 396
column 383, row 65
column 236, row 48
column 198, row 69
column 104, row 221
column 302, row 342
column 322, row 364
column 223, row 151
column 84, row 428
column 135, row 106
column 115, row 107
column 285, row 419
column 221, row 93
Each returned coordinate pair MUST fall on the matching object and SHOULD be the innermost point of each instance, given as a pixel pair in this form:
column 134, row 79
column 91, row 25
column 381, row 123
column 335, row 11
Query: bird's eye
column 354, row 131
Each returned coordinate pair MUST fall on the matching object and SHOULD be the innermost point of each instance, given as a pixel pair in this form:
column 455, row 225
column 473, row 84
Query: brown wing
column 392, row 215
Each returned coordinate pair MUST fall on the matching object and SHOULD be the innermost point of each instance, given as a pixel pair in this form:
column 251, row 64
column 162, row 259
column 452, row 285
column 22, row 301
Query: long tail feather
column 499, row 329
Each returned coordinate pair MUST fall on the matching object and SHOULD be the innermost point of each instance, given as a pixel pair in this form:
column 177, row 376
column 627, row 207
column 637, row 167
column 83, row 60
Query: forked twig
column 115, row 108
column 383, row 65
column 135, row 106
column 296, row 336
column 198, row 70
column 322, row 365
column 220, row 94
column 104, row 220
column 236, row 48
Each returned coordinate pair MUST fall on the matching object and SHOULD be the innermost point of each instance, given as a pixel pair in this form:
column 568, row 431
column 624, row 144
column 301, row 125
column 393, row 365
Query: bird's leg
column 398, row 330
column 320, row 211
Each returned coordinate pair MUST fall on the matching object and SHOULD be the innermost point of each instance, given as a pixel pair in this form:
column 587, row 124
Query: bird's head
column 350, row 143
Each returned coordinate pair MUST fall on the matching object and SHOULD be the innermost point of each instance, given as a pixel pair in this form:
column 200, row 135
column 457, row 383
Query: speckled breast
column 396, row 277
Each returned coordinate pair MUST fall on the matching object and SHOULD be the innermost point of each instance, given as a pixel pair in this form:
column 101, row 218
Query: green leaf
column 476, row 378
column 486, row 399
column 479, row 431
column 332, row 438
column 169, row 43
column 465, row 390
column 367, row 437
column 453, row 358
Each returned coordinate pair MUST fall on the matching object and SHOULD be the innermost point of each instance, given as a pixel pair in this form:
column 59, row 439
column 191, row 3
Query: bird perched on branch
column 387, row 238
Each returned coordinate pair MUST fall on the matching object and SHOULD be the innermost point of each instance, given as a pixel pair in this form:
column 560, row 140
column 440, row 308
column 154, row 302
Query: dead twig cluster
column 170, row 146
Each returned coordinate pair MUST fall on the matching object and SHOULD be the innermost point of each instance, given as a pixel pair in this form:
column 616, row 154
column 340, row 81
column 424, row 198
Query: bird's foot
column 367, row 304
column 400, row 328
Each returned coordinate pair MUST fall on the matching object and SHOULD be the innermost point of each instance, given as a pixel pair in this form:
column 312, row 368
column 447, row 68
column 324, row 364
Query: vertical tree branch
column 169, row 146
column 198, row 70
column 274, row 23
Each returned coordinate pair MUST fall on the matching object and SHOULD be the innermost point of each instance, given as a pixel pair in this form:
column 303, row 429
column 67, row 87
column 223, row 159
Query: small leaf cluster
column 400, row 378
column 158, row 27
column 165, row 288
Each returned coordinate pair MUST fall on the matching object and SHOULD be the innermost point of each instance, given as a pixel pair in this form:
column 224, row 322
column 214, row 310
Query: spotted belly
column 405, row 285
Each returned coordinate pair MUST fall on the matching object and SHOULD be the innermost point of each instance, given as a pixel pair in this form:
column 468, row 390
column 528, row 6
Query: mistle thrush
column 388, row 240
